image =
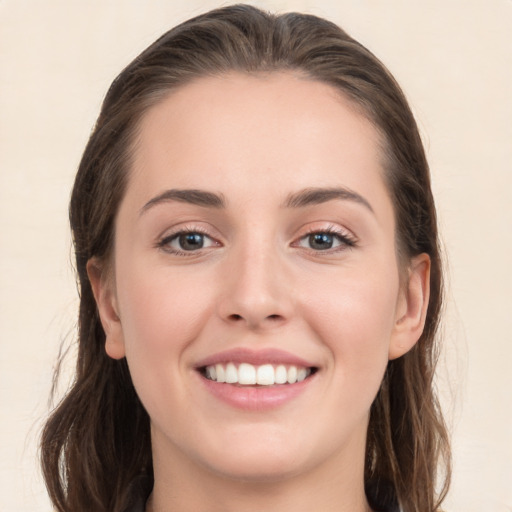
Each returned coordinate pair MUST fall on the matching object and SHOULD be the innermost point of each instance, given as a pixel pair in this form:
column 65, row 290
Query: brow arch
column 190, row 196
column 319, row 195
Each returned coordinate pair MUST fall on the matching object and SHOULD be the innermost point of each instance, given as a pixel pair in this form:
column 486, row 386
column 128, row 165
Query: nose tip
column 254, row 314
column 256, row 295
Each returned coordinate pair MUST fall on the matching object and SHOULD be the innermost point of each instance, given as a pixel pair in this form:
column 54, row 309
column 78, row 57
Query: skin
column 258, row 283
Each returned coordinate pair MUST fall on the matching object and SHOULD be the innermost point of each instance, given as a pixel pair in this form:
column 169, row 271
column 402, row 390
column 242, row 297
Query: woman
column 260, row 283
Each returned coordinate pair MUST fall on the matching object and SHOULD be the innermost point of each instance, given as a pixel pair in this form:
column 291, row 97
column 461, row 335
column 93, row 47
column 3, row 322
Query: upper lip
column 254, row 357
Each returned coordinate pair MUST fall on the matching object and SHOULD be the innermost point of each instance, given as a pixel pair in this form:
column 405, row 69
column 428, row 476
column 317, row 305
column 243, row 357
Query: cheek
column 354, row 315
column 161, row 314
column 161, row 311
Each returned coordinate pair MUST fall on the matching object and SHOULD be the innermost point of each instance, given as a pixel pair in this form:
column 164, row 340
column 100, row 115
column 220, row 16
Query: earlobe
column 412, row 307
column 104, row 294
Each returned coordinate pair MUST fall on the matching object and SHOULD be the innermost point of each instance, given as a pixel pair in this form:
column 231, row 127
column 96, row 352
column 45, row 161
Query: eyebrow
column 300, row 199
column 313, row 196
column 190, row 196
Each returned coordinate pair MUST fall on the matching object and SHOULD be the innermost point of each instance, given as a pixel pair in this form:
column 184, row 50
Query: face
column 256, row 245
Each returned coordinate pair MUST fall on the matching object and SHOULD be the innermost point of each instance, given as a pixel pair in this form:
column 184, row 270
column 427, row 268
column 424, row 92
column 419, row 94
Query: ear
column 104, row 292
column 411, row 307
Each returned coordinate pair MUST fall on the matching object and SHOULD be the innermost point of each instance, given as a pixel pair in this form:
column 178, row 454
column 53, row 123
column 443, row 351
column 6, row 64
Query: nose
column 257, row 290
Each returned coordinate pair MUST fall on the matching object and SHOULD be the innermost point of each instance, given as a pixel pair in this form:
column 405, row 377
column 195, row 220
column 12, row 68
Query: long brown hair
column 97, row 439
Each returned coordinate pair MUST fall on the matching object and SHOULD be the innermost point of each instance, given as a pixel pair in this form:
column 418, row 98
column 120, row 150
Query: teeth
column 246, row 374
column 231, row 373
column 281, row 374
column 292, row 374
column 301, row 374
column 220, row 373
column 249, row 375
column 265, row 375
column 211, row 372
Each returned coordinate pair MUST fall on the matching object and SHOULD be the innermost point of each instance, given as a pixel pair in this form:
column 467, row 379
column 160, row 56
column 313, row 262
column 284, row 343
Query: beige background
column 454, row 60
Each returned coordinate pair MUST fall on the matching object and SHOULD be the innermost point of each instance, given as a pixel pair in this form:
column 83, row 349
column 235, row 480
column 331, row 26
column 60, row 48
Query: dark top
column 141, row 487
column 139, row 492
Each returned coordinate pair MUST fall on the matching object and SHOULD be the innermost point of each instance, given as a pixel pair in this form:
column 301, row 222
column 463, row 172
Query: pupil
column 321, row 241
column 191, row 241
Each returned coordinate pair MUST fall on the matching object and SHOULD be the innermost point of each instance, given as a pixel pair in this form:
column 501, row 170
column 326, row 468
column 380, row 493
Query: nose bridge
column 257, row 291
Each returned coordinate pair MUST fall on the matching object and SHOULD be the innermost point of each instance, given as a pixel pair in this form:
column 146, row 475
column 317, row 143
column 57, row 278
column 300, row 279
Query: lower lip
column 256, row 398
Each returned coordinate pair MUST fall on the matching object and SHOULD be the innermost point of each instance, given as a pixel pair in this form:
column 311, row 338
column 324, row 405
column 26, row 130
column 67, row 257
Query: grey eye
column 321, row 241
column 328, row 240
column 190, row 241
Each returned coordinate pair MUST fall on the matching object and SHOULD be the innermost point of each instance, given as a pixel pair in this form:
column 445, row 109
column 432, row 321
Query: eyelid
column 347, row 238
column 169, row 235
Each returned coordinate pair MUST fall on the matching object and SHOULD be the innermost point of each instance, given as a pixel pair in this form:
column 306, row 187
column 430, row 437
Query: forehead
column 264, row 131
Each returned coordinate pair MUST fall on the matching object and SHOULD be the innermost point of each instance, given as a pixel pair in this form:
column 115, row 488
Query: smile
column 246, row 374
column 256, row 380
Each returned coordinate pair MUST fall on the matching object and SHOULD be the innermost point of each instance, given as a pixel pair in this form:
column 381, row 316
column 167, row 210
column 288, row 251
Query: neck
column 245, row 497
column 184, row 486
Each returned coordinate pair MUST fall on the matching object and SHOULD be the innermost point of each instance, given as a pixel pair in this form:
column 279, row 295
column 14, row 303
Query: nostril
column 235, row 317
column 254, row 321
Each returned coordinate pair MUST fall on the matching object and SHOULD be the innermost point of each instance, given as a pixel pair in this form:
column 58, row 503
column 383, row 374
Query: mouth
column 257, row 380
column 247, row 374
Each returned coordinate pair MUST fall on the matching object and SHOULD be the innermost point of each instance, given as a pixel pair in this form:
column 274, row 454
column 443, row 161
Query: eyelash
column 166, row 240
column 346, row 240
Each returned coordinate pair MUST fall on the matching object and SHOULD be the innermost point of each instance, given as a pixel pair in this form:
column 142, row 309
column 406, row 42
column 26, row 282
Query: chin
column 260, row 460
column 257, row 471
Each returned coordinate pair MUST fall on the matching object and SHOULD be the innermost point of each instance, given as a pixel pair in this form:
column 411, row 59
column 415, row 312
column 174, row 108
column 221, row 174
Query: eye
column 186, row 241
column 325, row 240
